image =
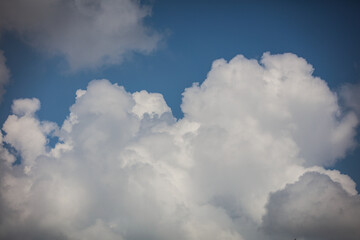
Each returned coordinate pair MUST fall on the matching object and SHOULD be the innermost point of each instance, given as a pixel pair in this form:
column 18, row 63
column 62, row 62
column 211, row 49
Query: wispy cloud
column 88, row 33
column 350, row 94
column 4, row 74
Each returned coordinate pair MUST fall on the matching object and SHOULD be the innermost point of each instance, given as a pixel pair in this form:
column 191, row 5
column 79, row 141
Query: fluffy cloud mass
column 315, row 207
column 88, row 33
column 245, row 162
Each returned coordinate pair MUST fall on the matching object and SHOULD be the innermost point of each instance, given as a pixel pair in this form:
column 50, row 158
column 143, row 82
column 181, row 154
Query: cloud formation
column 315, row 208
column 350, row 94
column 88, row 33
column 4, row 74
column 253, row 136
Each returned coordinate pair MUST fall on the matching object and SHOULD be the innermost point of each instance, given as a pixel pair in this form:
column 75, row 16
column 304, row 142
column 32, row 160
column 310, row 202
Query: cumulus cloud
column 315, row 208
column 125, row 168
column 4, row 74
column 281, row 98
column 26, row 133
column 88, row 33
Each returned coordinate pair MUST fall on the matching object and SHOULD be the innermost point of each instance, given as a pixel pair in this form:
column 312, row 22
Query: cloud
column 280, row 98
column 124, row 168
column 26, row 106
column 26, row 133
column 350, row 94
column 4, row 74
column 88, row 33
column 315, row 208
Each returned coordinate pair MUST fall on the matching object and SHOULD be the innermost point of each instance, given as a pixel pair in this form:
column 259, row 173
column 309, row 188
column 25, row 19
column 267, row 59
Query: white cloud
column 88, row 33
column 124, row 168
column 4, row 74
column 26, row 106
column 149, row 104
column 279, row 97
column 26, row 133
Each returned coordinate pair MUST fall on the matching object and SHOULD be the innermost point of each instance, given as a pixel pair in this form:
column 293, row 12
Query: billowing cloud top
column 89, row 33
column 246, row 161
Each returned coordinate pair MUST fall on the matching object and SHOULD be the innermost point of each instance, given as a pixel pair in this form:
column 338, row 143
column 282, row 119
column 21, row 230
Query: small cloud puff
column 25, row 106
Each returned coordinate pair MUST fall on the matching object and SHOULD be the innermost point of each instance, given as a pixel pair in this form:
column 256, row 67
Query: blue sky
column 192, row 35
